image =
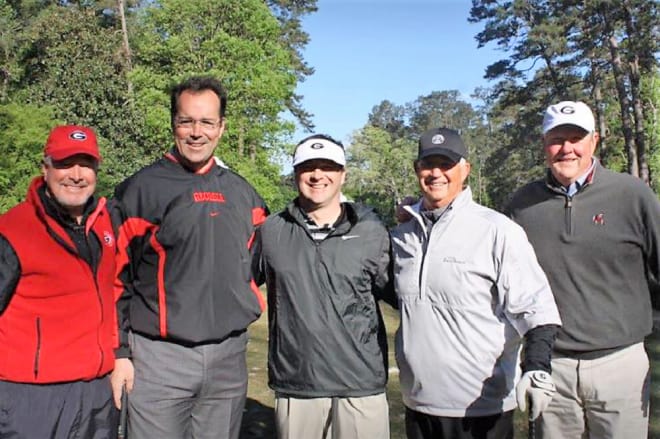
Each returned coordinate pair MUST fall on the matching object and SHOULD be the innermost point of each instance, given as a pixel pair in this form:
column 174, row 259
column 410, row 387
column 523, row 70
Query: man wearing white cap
column 325, row 263
column 597, row 236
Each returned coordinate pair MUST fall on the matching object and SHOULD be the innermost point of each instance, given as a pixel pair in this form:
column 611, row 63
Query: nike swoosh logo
column 345, row 237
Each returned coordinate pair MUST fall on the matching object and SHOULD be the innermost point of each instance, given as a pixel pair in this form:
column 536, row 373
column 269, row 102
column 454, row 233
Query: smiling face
column 71, row 182
column 440, row 179
column 197, row 127
column 569, row 151
column 319, row 183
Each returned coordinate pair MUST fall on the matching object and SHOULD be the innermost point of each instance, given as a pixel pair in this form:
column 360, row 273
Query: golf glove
column 538, row 385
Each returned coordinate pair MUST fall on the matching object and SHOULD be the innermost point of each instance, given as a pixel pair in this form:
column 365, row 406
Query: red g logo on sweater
column 108, row 239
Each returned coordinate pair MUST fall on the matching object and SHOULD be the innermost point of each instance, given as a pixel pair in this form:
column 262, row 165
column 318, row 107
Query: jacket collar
column 50, row 213
column 347, row 219
column 461, row 200
column 552, row 183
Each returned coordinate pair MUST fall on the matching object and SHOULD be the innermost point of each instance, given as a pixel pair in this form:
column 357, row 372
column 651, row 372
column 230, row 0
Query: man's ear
column 222, row 126
column 596, row 140
column 466, row 170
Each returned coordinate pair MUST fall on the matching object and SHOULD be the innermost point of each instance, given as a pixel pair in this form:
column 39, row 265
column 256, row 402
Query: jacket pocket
column 38, row 348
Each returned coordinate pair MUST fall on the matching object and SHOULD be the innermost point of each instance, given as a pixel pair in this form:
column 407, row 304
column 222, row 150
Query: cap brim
column 566, row 124
column 453, row 156
column 63, row 154
column 337, row 162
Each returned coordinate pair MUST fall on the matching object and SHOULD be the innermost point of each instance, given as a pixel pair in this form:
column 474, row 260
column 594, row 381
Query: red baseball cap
column 67, row 140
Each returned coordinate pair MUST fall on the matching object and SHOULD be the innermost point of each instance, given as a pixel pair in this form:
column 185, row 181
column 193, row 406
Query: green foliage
column 381, row 155
column 23, row 133
column 71, row 62
column 651, row 90
column 262, row 174
column 70, row 56
column 565, row 50
column 380, row 170
column 234, row 41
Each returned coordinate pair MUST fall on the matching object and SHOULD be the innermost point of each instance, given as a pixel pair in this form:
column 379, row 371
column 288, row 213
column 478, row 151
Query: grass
column 258, row 421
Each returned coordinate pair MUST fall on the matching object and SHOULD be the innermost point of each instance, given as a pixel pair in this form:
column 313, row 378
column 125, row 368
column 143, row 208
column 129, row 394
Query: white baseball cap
column 569, row 113
column 321, row 147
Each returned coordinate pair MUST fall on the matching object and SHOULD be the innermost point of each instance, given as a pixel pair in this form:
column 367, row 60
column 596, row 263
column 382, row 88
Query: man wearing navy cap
column 57, row 315
column 470, row 292
column 326, row 264
column 597, row 237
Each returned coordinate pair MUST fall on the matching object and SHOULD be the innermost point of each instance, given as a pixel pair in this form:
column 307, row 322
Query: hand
column 538, row 385
column 123, row 374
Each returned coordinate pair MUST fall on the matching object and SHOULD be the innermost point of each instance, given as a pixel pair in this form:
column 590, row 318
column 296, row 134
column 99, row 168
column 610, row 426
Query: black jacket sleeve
column 258, row 269
column 537, row 348
column 383, row 281
column 124, row 279
column 10, row 272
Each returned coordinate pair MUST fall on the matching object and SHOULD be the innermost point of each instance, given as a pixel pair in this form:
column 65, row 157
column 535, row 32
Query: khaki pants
column 333, row 418
column 603, row 398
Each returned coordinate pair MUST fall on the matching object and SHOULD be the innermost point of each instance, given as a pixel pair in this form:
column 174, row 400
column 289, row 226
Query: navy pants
column 423, row 426
column 81, row 409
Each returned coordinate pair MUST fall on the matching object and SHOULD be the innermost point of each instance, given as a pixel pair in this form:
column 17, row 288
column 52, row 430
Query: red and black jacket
column 58, row 323
column 184, row 253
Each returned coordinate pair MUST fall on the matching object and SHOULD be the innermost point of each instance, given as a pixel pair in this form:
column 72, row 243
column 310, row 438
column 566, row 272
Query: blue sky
column 366, row 51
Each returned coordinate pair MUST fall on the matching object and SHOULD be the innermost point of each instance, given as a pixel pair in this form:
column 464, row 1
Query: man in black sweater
column 596, row 234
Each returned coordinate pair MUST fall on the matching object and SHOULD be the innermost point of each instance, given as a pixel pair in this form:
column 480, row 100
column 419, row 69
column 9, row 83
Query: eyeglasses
column 189, row 123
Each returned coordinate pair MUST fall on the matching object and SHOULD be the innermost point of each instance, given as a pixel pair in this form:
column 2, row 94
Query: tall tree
column 289, row 13
column 569, row 49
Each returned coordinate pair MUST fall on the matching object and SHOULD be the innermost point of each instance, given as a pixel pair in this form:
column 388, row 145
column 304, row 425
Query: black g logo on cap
column 567, row 109
column 316, row 145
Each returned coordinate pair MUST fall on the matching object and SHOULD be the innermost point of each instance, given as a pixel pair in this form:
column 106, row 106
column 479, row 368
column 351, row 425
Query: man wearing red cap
column 57, row 315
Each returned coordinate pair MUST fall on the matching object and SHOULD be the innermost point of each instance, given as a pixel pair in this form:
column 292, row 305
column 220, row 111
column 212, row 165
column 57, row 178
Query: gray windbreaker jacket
column 468, row 291
column 326, row 333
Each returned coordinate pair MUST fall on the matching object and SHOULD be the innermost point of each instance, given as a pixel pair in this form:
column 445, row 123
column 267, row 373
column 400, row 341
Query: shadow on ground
column 258, row 421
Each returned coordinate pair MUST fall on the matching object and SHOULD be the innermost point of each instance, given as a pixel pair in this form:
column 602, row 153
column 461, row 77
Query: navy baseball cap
column 442, row 141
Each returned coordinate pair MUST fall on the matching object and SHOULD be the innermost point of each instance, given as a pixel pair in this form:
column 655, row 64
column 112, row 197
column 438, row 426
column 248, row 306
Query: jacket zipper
column 94, row 271
column 568, row 208
column 98, row 333
column 38, row 350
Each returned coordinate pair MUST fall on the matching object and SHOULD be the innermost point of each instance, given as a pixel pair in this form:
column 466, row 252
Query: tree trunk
column 595, row 79
column 635, row 92
column 601, row 124
column 127, row 48
column 624, row 101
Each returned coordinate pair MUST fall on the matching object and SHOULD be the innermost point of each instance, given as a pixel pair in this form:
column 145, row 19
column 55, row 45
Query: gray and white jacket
column 468, row 290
